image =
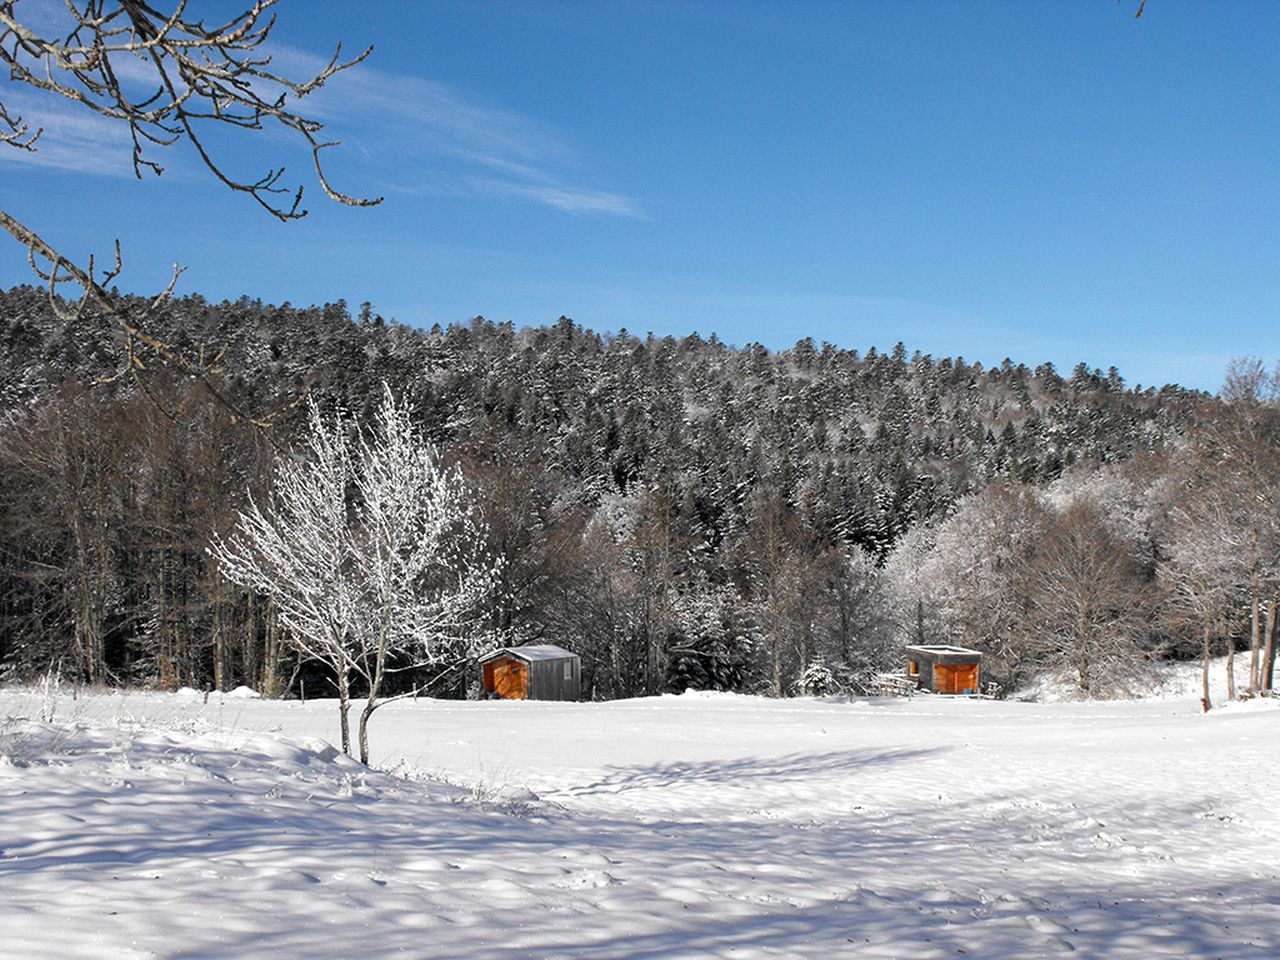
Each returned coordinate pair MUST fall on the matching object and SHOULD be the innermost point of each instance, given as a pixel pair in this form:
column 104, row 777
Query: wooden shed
column 945, row 669
column 540, row 671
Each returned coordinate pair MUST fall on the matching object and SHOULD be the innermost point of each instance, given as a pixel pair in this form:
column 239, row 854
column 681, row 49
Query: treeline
column 1175, row 555
column 679, row 512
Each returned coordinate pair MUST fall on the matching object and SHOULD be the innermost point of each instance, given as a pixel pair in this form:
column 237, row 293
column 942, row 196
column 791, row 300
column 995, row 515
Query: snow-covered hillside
column 693, row 826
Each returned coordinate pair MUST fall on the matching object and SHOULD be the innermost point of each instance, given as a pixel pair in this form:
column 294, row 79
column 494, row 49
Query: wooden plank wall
column 507, row 677
column 955, row 677
column 548, row 681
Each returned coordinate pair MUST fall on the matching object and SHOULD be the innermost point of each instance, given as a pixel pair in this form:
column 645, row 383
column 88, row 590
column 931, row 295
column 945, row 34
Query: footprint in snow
column 1046, row 925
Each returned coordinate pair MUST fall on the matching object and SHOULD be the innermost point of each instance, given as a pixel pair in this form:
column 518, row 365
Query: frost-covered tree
column 1125, row 503
column 970, row 581
column 1200, row 574
column 372, row 552
column 710, row 642
column 419, row 559
column 1242, row 451
column 859, row 634
column 1089, row 604
column 817, row 680
column 910, row 593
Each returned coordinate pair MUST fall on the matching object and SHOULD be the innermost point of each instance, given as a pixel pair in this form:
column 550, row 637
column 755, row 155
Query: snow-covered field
column 147, row 825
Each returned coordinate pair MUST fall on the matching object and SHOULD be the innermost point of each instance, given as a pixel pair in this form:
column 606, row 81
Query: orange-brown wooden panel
column 943, row 677
column 511, row 679
column 956, row 677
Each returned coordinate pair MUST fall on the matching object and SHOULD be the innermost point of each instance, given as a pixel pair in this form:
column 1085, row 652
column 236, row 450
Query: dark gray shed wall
column 547, row 680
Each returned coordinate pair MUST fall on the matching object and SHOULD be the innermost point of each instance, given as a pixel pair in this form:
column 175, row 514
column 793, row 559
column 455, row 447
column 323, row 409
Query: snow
column 1160, row 680
column 161, row 825
column 533, row 651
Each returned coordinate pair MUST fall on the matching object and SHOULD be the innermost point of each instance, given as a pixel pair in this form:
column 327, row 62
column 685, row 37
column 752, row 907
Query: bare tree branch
column 199, row 78
column 192, row 79
column 18, row 134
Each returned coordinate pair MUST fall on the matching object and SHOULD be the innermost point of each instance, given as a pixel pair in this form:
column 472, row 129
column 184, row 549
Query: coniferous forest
column 679, row 512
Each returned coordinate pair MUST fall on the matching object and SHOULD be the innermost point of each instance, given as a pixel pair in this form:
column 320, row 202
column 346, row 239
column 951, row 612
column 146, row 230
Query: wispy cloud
column 569, row 199
column 417, row 135
column 72, row 138
column 453, row 142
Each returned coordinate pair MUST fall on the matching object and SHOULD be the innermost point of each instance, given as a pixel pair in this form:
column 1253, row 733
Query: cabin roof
column 945, row 649
column 531, row 652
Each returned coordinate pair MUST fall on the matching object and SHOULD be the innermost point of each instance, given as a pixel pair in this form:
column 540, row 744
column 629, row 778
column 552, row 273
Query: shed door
column 955, row 677
column 511, row 679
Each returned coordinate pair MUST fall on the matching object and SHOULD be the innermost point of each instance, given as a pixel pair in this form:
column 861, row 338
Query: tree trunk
column 219, row 643
column 375, row 688
column 344, row 707
column 88, row 644
column 1231, row 665
column 804, row 648
column 271, row 652
column 370, row 705
column 1269, row 649
column 1082, row 657
column 1255, row 636
column 777, row 665
column 651, row 642
column 1205, row 704
column 251, row 651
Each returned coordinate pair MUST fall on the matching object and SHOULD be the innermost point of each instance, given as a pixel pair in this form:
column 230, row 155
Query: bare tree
column 783, row 565
column 194, row 78
column 389, row 578
column 1244, row 449
column 1088, row 604
column 1200, row 572
column 656, row 548
column 68, row 518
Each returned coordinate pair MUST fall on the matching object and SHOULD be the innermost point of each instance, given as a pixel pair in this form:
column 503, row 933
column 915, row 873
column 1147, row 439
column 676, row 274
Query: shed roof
column 533, row 651
column 947, row 649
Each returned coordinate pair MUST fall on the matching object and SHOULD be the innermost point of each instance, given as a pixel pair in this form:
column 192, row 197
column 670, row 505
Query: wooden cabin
column 540, row 671
column 945, row 669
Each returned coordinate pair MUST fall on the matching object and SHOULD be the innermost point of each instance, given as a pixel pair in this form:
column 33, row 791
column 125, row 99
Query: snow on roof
column 944, row 648
column 533, row 651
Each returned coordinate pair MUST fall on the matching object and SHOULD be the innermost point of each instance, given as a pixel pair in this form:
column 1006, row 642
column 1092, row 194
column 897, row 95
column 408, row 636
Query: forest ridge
column 649, row 496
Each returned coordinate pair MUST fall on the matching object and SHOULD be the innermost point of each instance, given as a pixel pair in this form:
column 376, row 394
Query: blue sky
column 1040, row 181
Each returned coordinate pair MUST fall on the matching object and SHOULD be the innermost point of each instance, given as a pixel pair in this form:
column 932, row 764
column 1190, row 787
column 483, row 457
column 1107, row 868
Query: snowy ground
column 151, row 825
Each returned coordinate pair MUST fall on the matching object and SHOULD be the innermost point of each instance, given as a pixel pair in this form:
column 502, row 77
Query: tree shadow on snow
column 988, row 875
column 744, row 771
